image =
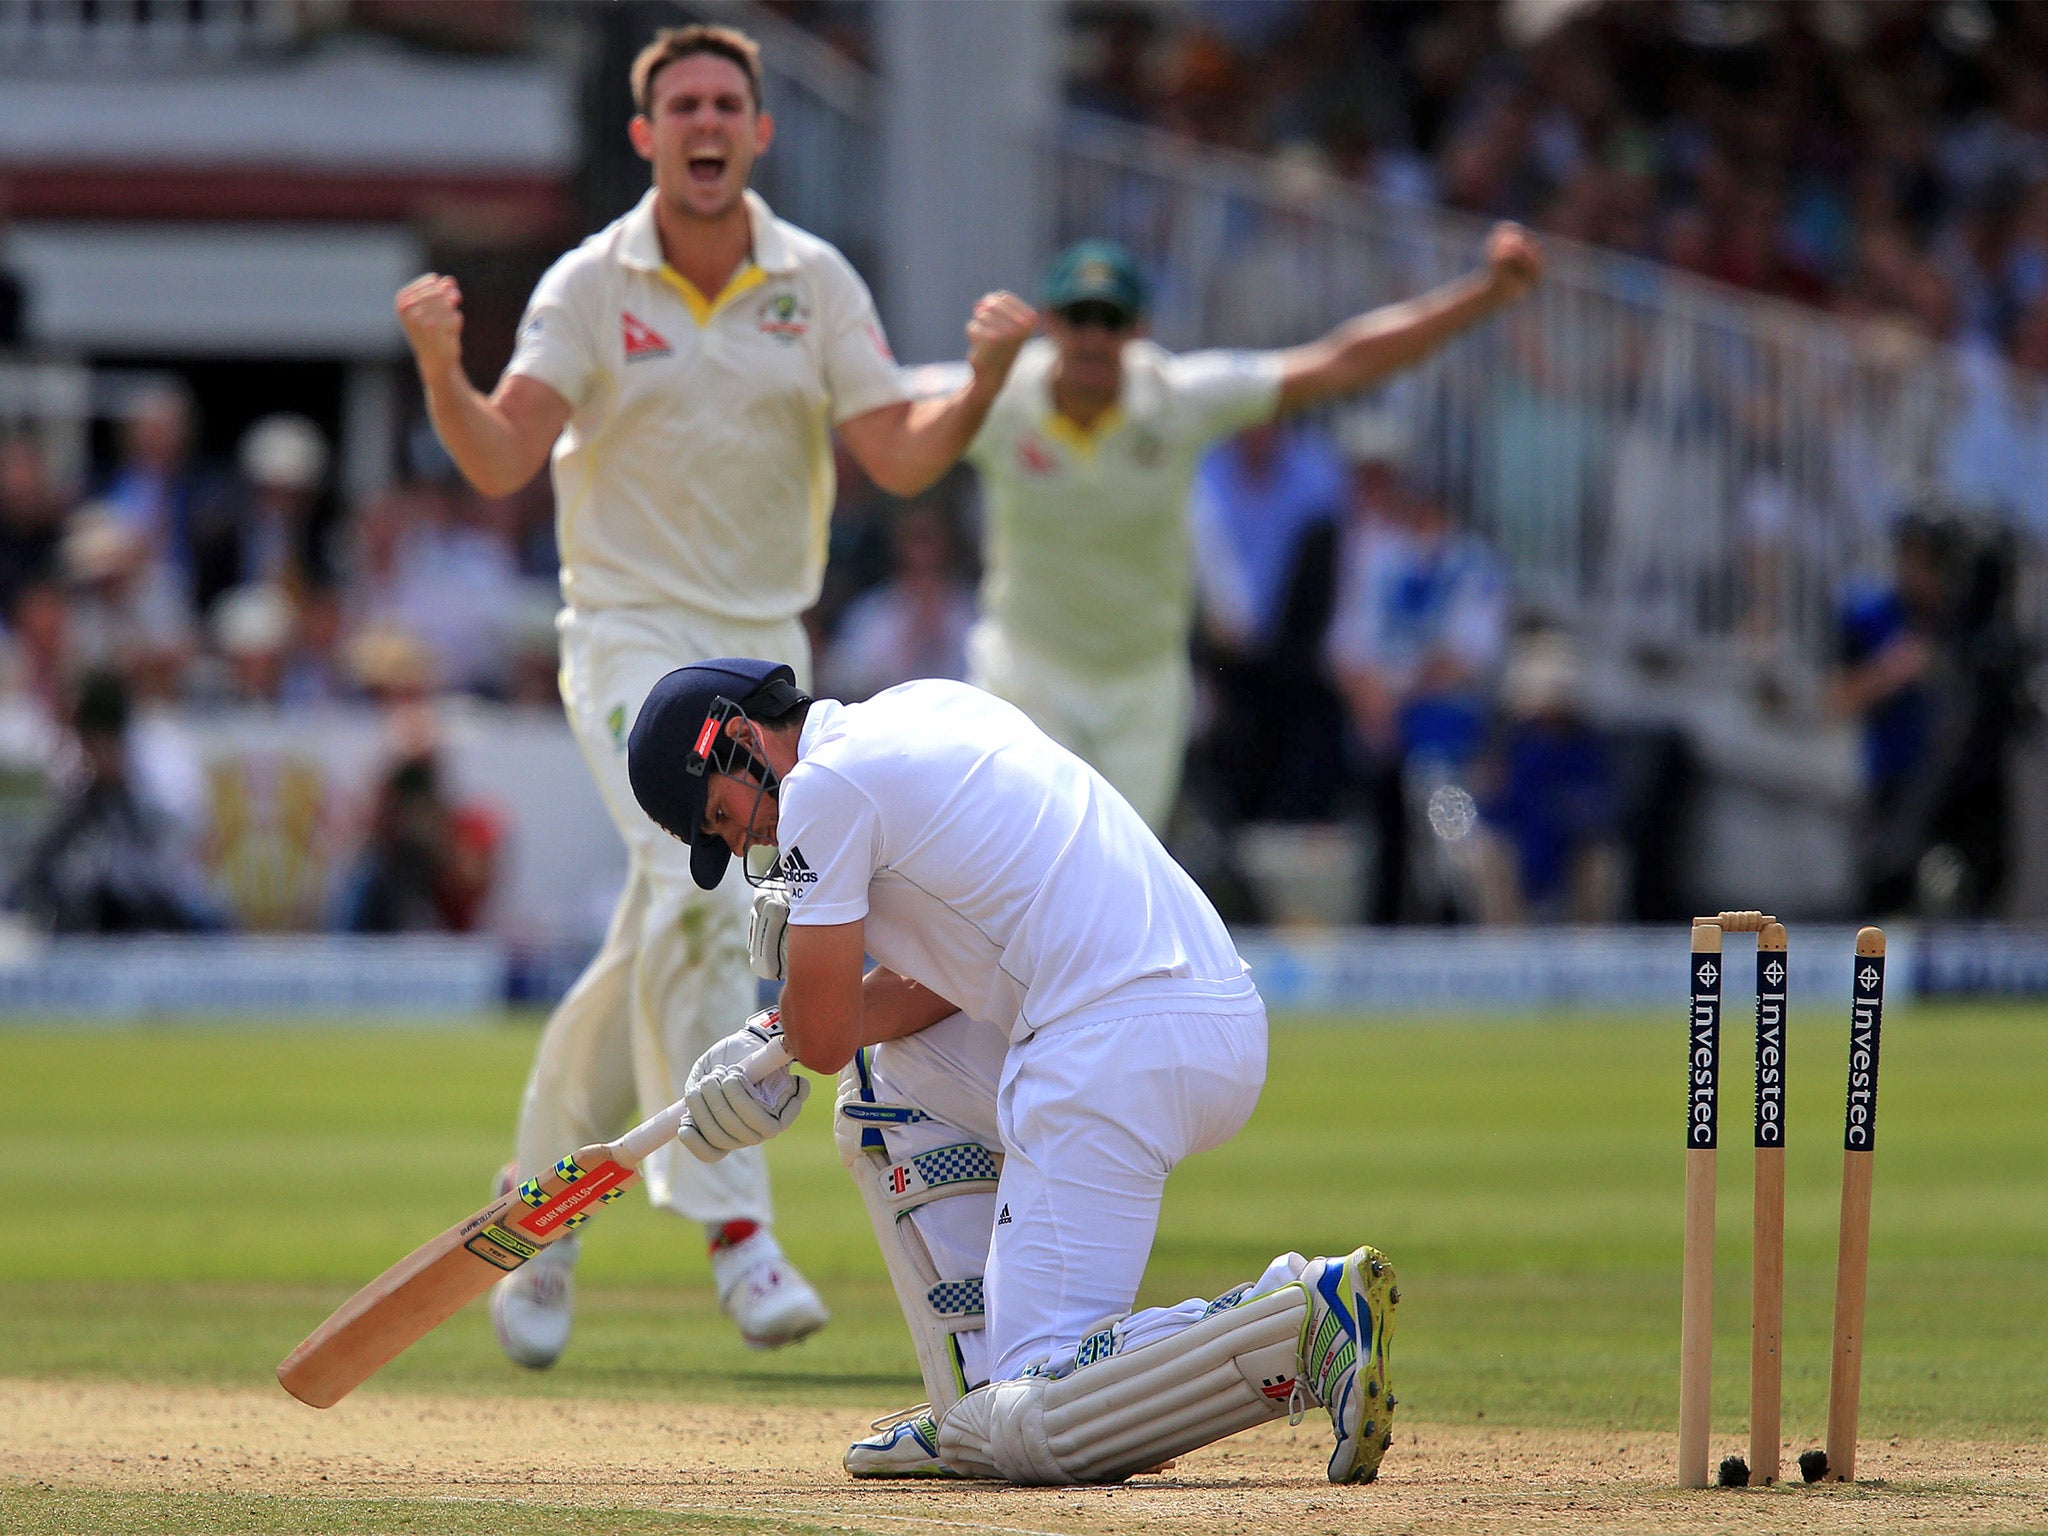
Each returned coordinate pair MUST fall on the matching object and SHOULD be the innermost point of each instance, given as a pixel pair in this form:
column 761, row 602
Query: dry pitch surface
column 782, row 1470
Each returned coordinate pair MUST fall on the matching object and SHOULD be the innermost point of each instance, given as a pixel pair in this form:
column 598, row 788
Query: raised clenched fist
column 430, row 310
column 1514, row 258
column 1000, row 325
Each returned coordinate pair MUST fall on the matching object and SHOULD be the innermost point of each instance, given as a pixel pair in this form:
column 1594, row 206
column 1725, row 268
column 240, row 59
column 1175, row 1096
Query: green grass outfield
column 189, row 1202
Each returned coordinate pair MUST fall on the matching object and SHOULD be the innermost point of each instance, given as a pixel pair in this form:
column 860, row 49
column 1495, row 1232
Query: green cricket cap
column 1097, row 272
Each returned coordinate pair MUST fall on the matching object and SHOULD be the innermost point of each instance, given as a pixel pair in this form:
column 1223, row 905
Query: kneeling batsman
column 1033, row 937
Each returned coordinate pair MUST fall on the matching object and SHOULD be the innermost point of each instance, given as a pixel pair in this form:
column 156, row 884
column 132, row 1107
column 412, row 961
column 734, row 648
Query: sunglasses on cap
column 1097, row 314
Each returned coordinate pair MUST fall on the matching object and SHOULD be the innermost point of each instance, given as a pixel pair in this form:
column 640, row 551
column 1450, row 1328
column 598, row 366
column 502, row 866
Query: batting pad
column 1103, row 1422
column 927, row 1189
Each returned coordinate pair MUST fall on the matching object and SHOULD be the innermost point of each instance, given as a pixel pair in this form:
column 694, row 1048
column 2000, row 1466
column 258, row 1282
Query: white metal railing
column 41, row 33
column 1660, row 459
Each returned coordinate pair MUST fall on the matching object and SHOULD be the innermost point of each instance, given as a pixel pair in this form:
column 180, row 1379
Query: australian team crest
column 783, row 316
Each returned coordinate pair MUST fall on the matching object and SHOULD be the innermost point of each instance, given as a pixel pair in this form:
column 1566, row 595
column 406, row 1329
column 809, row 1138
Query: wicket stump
column 1767, row 1272
column 1767, row 1215
column 1696, row 1319
column 1852, row 1251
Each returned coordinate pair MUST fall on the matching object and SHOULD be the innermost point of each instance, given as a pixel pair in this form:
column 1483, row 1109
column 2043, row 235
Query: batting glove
column 726, row 1111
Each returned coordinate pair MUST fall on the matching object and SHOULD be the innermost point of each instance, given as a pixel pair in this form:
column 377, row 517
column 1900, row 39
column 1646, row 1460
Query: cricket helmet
column 680, row 739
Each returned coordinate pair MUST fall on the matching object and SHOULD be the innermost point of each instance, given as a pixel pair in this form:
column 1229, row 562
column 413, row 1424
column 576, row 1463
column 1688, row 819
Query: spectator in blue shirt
column 1935, row 668
column 1416, row 635
column 1264, row 514
column 1551, row 807
column 1256, row 496
column 1888, row 635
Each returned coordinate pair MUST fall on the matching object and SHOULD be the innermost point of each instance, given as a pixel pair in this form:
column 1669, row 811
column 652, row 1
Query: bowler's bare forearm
column 1366, row 349
column 906, row 447
column 1369, row 348
column 500, row 441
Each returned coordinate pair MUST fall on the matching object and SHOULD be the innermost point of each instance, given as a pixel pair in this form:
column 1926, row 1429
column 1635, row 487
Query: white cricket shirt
column 1086, row 556
column 994, row 866
column 696, row 467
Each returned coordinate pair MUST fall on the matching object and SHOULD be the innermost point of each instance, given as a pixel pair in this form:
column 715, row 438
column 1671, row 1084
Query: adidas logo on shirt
column 1003, row 1216
column 796, row 871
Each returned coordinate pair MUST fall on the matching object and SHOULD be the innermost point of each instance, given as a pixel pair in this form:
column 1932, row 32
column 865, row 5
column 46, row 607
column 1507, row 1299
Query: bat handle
column 631, row 1149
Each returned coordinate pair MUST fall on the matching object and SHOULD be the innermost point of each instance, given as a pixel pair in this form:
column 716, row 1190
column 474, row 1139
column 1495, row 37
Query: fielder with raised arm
column 687, row 366
column 1086, row 462
column 1058, row 1017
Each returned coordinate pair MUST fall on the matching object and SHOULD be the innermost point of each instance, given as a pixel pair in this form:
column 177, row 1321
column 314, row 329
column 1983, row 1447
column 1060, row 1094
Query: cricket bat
column 436, row 1280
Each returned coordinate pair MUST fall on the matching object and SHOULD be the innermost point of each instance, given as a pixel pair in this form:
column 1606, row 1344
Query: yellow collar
column 1079, row 439
column 640, row 239
column 702, row 309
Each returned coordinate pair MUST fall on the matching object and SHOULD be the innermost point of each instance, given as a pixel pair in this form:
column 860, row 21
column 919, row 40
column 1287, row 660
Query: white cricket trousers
column 1131, row 728
column 672, row 975
column 1090, row 1118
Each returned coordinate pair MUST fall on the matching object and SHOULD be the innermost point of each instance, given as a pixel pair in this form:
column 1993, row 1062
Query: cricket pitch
column 750, row 1468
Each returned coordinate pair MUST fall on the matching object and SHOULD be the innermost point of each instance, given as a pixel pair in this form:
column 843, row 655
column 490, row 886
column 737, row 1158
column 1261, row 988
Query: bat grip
column 633, row 1147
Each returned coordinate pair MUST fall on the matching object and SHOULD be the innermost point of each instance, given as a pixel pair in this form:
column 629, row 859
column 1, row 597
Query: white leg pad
column 928, row 1188
column 1120, row 1415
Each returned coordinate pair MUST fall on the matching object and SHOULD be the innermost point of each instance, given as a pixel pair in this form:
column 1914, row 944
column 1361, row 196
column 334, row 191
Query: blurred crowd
column 1370, row 662
column 210, row 584
column 1369, row 672
column 1379, row 698
column 1376, row 700
column 1372, row 670
column 168, row 588
column 1880, row 159
column 1363, row 680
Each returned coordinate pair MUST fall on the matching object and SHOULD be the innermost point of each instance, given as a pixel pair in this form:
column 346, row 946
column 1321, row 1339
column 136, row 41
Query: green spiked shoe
column 1344, row 1342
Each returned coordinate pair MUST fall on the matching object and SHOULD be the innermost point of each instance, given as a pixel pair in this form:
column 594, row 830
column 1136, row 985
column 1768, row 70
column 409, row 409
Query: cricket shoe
column 905, row 1444
column 532, row 1307
column 1344, row 1341
column 760, row 1290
